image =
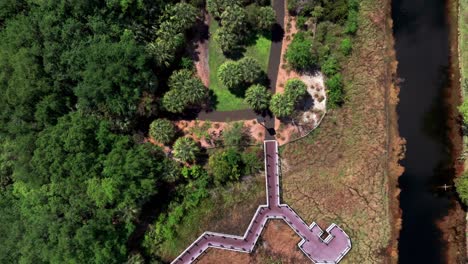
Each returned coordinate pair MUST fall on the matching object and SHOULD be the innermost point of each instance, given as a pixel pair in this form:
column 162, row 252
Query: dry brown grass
column 277, row 244
column 340, row 173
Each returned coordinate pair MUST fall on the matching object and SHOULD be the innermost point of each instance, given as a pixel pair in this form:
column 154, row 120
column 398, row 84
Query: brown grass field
column 346, row 171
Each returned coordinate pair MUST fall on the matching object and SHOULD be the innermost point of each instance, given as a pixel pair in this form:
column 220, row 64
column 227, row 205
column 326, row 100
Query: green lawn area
column 226, row 101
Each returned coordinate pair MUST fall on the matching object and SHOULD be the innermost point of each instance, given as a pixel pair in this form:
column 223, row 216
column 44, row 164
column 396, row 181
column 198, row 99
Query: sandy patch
column 311, row 114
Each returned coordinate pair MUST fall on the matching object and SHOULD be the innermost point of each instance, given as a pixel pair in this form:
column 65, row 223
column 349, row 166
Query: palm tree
column 162, row 130
column 186, row 149
column 258, row 97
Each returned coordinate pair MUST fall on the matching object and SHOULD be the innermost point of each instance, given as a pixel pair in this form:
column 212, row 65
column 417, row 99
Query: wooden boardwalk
column 331, row 249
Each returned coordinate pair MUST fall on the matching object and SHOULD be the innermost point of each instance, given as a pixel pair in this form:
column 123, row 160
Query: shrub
column 298, row 54
column 352, row 22
column 346, row 46
column 292, row 6
column 330, row 66
column 253, row 162
column 235, row 135
column 335, row 91
column 162, row 130
column 225, row 166
column 301, row 22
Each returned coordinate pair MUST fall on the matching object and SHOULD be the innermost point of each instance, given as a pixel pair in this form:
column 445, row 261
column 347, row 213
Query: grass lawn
column 225, row 100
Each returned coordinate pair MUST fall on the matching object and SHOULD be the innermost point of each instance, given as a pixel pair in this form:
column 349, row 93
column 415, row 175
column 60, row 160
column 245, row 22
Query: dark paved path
column 217, row 116
column 275, row 57
column 328, row 250
column 272, row 73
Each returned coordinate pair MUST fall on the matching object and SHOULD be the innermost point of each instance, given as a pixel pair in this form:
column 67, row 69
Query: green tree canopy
column 234, row 28
column 236, row 76
column 186, row 149
column 162, row 130
column 176, row 19
column 217, row 7
column 258, row 97
column 463, row 109
column 261, row 18
column 295, row 89
column 225, row 166
column 299, row 54
column 185, row 90
column 281, row 105
column 85, row 177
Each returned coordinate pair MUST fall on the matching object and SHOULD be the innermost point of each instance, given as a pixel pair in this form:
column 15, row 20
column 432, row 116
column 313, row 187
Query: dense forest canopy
column 73, row 176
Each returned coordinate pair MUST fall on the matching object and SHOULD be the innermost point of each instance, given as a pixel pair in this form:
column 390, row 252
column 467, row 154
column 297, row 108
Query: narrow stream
column 421, row 34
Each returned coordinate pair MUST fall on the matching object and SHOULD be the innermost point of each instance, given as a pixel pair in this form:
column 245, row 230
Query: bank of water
column 426, row 120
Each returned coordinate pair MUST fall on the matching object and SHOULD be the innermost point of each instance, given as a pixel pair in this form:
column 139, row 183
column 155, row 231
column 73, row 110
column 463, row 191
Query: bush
column 235, row 135
column 301, row 22
column 330, row 67
column 162, row 130
column 253, row 161
column 346, row 46
column 335, row 91
column 299, row 54
column 225, row 166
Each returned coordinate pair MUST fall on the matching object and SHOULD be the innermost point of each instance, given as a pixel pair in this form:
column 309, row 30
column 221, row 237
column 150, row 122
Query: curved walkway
column 331, row 249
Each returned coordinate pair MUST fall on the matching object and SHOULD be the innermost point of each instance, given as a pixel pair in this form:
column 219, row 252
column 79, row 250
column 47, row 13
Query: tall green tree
column 299, row 54
column 185, row 90
column 162, row 130
column 238, row 75
column 186, row 149
column 258, row 97
column 86, row 180
column 281, row 105
column 217, row 7
column 225, row 166
column 295, row 90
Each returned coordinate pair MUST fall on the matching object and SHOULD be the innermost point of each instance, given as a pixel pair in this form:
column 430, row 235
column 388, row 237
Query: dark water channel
column 421, row 33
